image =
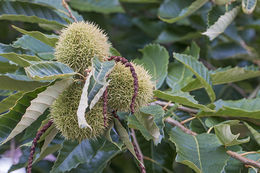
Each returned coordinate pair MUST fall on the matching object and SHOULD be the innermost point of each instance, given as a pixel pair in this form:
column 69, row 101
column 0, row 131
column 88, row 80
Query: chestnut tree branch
column 65, row 5
column 235, row 155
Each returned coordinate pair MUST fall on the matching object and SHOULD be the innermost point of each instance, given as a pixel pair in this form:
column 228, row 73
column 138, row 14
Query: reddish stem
column 34, row 143
column 132, row 105
column 136, row 86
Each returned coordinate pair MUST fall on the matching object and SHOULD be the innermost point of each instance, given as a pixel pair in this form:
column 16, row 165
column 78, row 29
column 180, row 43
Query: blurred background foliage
column 130, row 26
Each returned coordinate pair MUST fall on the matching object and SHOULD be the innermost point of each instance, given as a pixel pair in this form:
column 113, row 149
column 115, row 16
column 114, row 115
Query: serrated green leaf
column 125, row 138
column 104, row 6
column 10, row 101
column 182, row 98
column 168, row 36
column 20, row 56
column 225, row 76
column 152, row 118
column 29, row 12
column 12, row 81
column 155, row 59
column 203, row 153
column 47, row 39
column 10, row 119
column 249, row 108
column 20, row 59
column 133, row 122
column 39, row 105
column 226, row 137
column 94, row 87
column 49, row 70
column 57, row 4
column 221, row 24
column 172, row 11
column 39, row 48
column 47, row 140
column 95, row 153
column 199, row 70
column 49, row 150
column 178, row 76
column 112, row 137
column 248, row 6
column 147, row 122
column 140, row 1
column 255, row 133
column 215, row 12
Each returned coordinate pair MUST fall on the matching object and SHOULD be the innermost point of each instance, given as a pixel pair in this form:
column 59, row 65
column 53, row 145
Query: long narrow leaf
column 39, row 105
column 221, row 24
column 49, row 70
column 93, row 89
column 248, row 6
column 30, row 12
column 47, row 39
column 199, row 70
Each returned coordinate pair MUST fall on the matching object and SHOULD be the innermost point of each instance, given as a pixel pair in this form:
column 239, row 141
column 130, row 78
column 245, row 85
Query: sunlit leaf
column 226, row 137
column 47, row 39
column 49, row 70
column 221, row 24
column 248, row 6
column 39, row 105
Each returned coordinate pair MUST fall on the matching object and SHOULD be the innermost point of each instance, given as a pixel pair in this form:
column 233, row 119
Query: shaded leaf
column 47, row 140
column 226, row 75
column 94, row 87
column 249, row 108
column 10, row 101
column 39, row 48
column 133, row 122
column 221, row 24
column 169, row 36
column 182, row 98
column 199, row 70
column 94, row 153
column 215, row 12
column 7, row 67
column 112, row 136
column 178, row 76
column 29, row 12
column 10, row 119
column 171, row 11
column 125, row 138
column 49, row 70
column 20, row 56
column 39, row 105
column 255, row 133
column 47, row 39
column 226, row 137
column 203, row 153
column 104, row 6
column 11, row 81
column 155, row 59
column 248, row 6
column 57, row 4
column 49, row 150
